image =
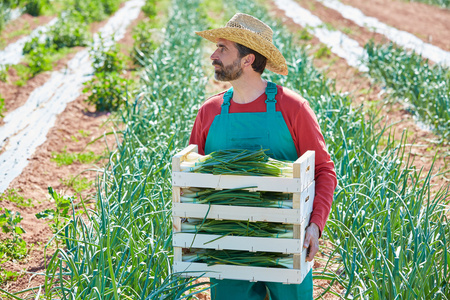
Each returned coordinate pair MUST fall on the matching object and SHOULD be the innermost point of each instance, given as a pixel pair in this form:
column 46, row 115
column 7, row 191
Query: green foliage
column 2, row 106
column 13, row 196
column 110, row 6
column 322, row 52
column 9, row 222
column 93, row 11
column 77, row 183
column 13, row 247
column 143, row 44
column 107, row 59
column 40, row 59
column 6, row 275
column 68, row 32
column 66, row 158
column 4, row 72
column 36, row 7
column 422, row 87
column 305, row 35
column 108, row 91
column 59, row 216
column 149, row 8
column 23, row 72
column 4, row 15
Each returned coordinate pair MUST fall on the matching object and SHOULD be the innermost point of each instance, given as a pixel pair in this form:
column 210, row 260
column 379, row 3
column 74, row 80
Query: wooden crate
column 302, row 186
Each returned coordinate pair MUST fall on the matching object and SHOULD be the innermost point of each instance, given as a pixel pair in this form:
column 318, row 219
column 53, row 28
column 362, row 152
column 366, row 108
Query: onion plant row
column 422, row 87
column 389, row 232
column 124, row 249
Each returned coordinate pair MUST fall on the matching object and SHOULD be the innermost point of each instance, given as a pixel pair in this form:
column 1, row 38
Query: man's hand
column 311, row 240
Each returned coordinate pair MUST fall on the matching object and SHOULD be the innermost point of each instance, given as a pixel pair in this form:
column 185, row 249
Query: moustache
column 218, row 63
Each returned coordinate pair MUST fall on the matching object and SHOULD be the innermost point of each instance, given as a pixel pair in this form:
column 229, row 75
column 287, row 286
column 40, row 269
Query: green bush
column 40, row 60
column 110, row 6
column 36, row 7
column 108, row 91
column 106, row 60
column 69, row 32
column 149, row 8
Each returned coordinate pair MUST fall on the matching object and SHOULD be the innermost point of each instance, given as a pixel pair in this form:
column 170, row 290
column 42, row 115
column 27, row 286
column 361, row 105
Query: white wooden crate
column 302, row 186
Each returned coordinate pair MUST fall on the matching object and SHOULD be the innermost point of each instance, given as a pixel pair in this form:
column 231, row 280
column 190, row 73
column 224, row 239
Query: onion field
column 144, row 77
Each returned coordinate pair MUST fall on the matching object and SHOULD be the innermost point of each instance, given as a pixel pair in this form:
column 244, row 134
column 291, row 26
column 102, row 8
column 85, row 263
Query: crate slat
column 282, row 275
column 253, row 244
column 270, row 184
column 243, row 213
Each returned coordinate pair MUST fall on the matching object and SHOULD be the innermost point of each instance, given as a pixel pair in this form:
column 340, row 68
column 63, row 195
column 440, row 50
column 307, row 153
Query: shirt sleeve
column 197, row 135
column 309, row 137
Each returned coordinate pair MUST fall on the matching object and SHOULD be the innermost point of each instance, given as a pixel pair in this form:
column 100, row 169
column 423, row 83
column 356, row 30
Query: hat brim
column 275, row 60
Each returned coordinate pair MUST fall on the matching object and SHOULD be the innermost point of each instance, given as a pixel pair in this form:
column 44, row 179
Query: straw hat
column 252, row 33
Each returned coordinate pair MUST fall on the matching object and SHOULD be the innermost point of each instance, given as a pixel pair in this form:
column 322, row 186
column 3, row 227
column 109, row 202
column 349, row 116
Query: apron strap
column 271, row 91
column 226, row 101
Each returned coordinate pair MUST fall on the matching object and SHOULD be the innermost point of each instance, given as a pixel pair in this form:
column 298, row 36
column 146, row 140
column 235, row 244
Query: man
column 255, row 113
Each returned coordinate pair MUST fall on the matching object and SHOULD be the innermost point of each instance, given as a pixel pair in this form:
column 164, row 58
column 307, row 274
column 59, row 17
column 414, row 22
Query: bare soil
column 428, row 23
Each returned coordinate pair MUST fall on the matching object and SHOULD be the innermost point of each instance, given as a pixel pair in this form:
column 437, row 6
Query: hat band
column 237, row 25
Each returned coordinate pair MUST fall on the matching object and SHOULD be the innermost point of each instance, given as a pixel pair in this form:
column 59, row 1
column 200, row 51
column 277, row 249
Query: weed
column 66, row 158
column 74, row 138
column 77, row 183
column 305, row 35
column 323, row 51
column 13, row 196
column 60, row 215
column 6, row 275
column 84, row 133
column 13, row 247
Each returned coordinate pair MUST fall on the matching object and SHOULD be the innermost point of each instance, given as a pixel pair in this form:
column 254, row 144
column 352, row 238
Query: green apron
column 266, row 130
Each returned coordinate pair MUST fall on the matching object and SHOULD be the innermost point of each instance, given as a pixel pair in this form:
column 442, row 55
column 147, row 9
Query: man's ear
column 248, row 59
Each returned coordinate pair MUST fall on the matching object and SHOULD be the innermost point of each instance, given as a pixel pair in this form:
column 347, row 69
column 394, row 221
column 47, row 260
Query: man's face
column 226, row 61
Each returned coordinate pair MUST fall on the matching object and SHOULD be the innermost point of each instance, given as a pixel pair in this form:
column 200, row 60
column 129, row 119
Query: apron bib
column 252, row 131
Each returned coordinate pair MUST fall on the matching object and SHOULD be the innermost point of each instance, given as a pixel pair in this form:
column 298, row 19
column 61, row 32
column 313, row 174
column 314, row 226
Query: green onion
column 240, row 258
column 237, row 197
column 238, row 228
column 238, row 162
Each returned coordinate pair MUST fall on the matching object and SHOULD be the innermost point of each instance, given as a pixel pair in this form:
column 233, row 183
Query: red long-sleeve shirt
column 305, row 131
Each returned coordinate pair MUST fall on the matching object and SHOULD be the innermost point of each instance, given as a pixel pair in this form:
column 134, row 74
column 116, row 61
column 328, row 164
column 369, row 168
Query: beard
column 228, row 73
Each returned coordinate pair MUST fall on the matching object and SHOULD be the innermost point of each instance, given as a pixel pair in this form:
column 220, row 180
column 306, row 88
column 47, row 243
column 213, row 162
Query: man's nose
column 214, row 55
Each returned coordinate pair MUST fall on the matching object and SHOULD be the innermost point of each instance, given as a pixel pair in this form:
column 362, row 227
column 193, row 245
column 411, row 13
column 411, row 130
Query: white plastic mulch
column 402, row 38
column 339, row 43
column 26, row 128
